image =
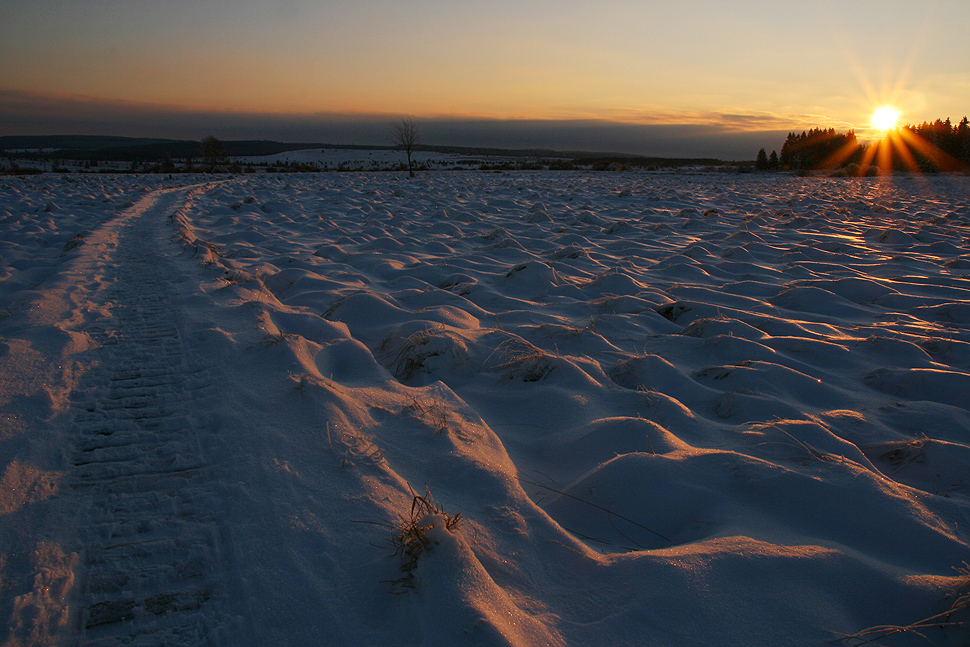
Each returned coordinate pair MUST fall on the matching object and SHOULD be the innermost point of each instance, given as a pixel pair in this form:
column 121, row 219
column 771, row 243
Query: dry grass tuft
column 523, row 361
column 411, row 539
column 410, row 359
column 430, row 411
column 275, row 339
column 237, row 278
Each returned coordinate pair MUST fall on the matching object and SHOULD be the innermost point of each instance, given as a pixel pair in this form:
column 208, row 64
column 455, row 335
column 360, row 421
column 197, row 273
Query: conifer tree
column 963, row 137
column 761, row 162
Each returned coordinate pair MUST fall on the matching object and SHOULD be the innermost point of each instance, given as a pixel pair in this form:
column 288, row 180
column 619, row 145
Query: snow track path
column 151, row 544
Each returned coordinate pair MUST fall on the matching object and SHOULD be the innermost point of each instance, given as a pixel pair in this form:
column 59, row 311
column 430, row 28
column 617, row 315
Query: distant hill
column 131, row 149
column 76, row 142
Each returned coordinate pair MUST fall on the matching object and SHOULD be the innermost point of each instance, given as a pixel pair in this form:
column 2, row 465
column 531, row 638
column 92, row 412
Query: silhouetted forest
column 819, row 148
column 925, row 147
column 949, row 145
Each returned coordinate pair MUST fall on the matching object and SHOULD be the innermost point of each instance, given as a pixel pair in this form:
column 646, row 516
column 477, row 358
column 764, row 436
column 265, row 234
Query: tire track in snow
column 152, row 568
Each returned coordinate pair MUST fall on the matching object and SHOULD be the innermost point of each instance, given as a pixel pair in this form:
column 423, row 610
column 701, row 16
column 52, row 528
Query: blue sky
column 636, row 71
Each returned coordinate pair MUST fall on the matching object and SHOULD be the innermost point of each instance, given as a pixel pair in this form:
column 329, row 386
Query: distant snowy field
column 371, row 160
column 670, row 410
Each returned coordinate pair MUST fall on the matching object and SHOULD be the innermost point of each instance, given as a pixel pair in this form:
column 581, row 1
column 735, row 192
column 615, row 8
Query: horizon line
column 727, row 135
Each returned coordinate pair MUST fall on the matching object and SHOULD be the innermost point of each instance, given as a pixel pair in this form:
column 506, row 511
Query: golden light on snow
column 886, row 118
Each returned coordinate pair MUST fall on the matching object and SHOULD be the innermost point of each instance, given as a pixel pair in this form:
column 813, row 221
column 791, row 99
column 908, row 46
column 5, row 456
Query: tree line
column 928, row 147
column 949, row 144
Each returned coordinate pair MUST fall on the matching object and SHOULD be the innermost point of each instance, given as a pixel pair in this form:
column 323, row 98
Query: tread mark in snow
column 151, row 560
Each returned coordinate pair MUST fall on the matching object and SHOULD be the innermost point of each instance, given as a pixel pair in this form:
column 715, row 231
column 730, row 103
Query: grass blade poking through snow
column 960, row 607
column 598, row 507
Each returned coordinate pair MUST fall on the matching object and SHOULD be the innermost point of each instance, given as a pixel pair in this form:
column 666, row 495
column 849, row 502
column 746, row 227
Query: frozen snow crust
column 669, row 409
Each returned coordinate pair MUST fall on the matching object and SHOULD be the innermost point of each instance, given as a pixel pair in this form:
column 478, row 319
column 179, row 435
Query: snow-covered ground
column 476, row 408
column 372, row 160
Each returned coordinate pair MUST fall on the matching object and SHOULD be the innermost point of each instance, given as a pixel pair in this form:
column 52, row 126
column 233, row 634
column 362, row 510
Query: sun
column 885, row 118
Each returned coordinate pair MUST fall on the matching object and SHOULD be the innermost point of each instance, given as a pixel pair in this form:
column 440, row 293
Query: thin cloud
column 729, row 121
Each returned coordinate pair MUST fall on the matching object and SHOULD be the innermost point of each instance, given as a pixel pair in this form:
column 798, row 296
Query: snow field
column 675, row 370
column 685, row 409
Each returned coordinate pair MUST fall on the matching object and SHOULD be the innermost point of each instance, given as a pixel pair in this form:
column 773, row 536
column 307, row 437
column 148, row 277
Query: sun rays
column 888, row 143
column 914, row 148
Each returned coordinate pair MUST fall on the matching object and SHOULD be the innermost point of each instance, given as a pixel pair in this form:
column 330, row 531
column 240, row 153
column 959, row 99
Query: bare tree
column 406, row 135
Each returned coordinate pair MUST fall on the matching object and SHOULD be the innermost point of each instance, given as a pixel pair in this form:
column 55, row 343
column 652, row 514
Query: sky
column 688, row 77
